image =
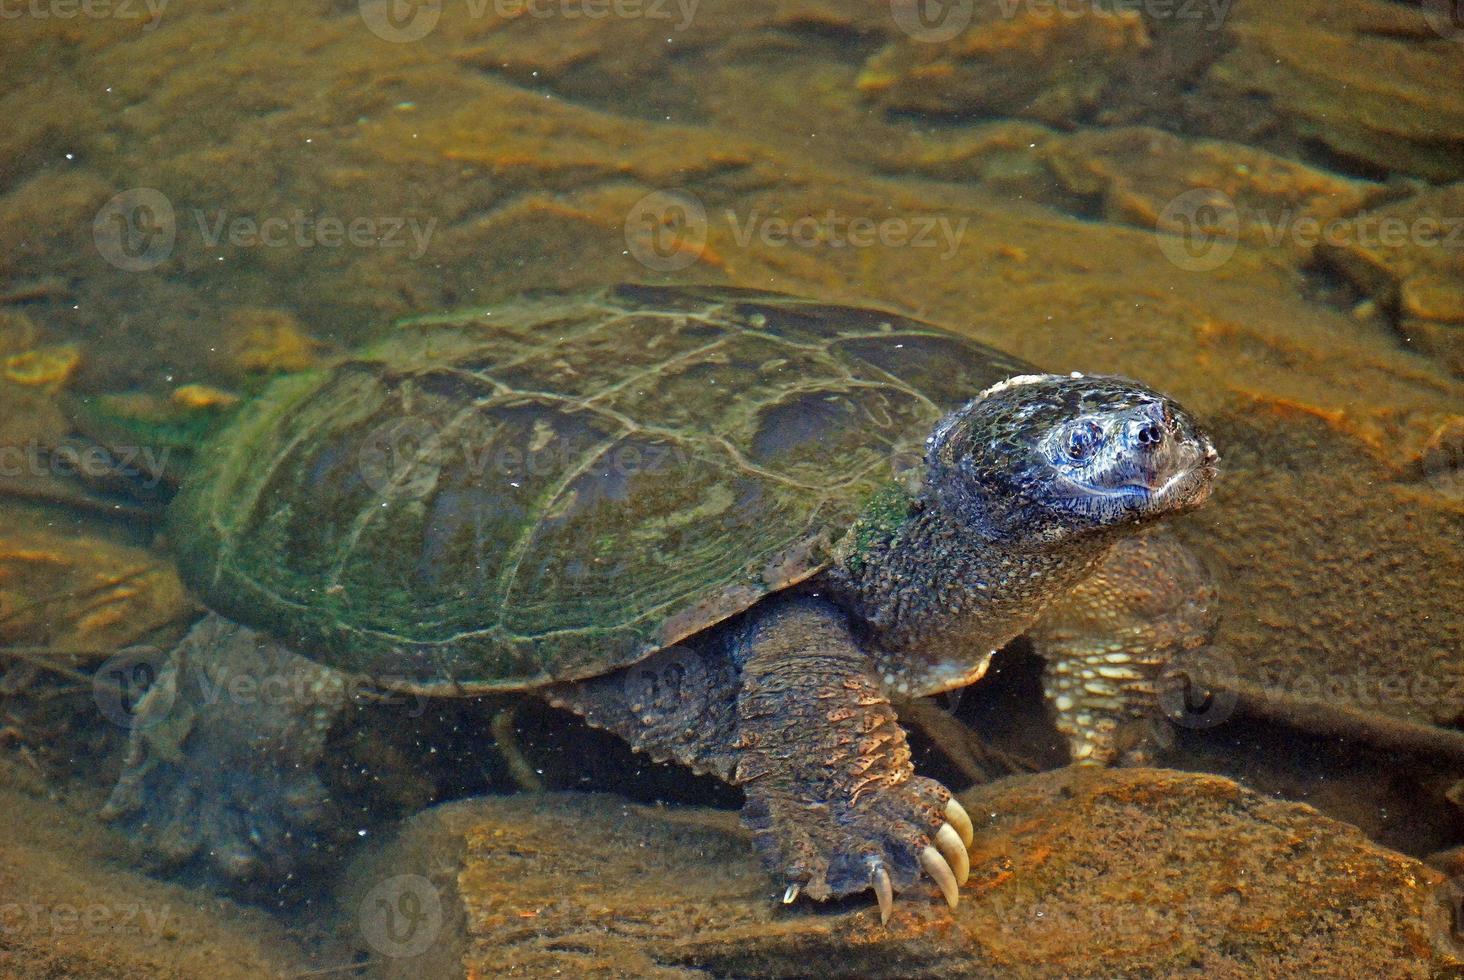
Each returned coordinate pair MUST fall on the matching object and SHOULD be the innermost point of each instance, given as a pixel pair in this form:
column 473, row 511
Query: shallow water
column 1257, row 208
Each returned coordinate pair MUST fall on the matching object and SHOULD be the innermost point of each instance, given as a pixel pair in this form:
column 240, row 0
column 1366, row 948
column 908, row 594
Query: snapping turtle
column 728, row 526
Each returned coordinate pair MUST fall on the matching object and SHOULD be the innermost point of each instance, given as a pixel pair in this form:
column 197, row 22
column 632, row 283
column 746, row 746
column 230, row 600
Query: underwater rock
column 1362, row 85
column 1038, row 63
column 43, row 367
column 30, row 419
column 267, row 341
column 68, row 910
column 1075, row 873
column 79, row 597
column 1409, row 257
column 1134, row 173
column 18, row 332
column 1130, row 175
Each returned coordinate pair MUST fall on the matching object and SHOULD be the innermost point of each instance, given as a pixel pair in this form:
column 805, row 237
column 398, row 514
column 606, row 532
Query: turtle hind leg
column 222, row 758
column 678, row 705
column 1107, row 644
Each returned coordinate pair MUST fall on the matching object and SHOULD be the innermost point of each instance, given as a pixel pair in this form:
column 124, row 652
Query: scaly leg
column 832, row 799
column 785, row 706
column 222, row 760
column 1107, row 642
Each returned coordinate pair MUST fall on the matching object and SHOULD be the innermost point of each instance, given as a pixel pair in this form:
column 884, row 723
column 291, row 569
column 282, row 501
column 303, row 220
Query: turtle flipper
column 832, row 799
column 1108, row 641
column 221, row 765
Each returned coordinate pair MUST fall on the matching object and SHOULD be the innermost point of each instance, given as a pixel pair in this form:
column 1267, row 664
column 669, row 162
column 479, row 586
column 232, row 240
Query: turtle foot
column 221, row 766
column 887, row 841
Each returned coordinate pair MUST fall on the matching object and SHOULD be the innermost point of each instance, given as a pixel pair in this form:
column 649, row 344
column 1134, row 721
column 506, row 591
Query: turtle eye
column 1082, row 439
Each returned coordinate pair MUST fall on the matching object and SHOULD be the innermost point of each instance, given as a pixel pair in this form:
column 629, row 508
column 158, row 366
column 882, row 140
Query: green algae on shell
column 557, row 487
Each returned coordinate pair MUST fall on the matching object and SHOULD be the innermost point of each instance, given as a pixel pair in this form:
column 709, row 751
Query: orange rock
column 45, row 367
column 268, row 341
column 1079, row 873
column 82, row 595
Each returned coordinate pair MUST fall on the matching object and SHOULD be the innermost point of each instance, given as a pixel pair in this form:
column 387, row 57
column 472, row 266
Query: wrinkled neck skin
column 946, row 591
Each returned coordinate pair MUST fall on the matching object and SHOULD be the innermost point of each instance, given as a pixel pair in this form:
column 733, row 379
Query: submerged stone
column 1075, row 873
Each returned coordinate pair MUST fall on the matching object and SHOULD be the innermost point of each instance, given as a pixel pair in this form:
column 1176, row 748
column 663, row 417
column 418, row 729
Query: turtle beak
column 1180, row 464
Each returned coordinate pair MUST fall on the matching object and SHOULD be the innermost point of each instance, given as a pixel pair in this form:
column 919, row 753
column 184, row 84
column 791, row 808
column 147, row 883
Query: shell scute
column 559, row 486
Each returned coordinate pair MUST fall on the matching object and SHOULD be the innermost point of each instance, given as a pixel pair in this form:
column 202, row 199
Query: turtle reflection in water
column 687, row 484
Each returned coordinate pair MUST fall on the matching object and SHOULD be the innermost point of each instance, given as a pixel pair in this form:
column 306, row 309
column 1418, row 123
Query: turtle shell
column 557, row 487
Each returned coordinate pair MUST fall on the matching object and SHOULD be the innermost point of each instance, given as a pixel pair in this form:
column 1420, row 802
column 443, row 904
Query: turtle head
column 1048, row 458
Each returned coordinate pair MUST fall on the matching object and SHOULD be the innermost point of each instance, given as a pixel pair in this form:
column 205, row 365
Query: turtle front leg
column 833, row 802
column 1108, row 641
column 222, row 762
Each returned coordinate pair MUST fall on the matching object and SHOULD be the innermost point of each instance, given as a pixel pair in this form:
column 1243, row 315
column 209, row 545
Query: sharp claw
column 791, row 894
column 936, row 867
column 951, row 848
column 884, row 893
column 957, row 817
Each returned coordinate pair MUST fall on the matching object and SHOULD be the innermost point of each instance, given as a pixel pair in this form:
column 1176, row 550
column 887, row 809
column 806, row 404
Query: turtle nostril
column 1149, row 434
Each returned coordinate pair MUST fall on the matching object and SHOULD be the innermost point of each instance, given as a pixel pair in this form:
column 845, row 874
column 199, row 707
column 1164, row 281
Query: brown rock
column 18, row 332
column 1039, row 63
column 66, row 910
column 266, row 342
column 1076, row 873
column 1375, row 87
column 80, row 597
column 1409, row 256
